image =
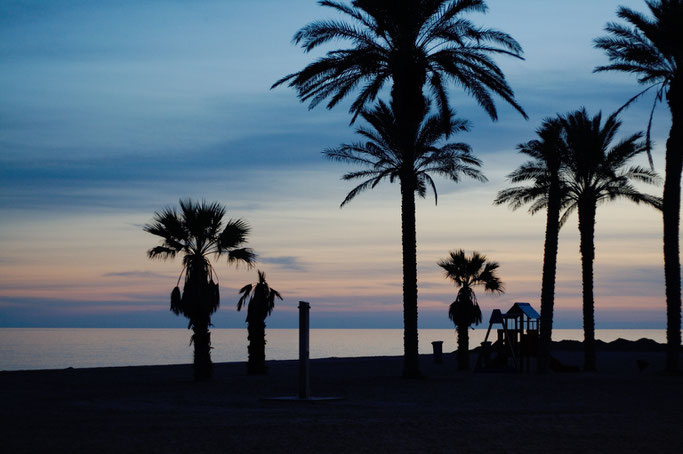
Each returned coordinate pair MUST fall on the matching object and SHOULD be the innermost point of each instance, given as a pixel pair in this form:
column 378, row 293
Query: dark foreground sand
column 159, row 409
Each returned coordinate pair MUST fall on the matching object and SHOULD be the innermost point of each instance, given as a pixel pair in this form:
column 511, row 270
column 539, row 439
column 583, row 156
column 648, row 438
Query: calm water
column 56, row 348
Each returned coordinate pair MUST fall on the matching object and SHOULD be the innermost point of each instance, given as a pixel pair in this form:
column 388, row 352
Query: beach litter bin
column 437, row 346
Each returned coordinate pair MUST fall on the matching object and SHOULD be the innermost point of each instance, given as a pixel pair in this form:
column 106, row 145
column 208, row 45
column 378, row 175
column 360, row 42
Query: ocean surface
column 58, row 348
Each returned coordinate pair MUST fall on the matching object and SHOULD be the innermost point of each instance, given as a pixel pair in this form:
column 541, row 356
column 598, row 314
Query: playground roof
column 518, row 309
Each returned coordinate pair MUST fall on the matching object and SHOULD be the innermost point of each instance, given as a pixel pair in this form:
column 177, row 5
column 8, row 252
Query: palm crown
column 472, row 271
column 577, row 151
column 650, row 48
column 384, row 158
column 411, row 41
column 466, row 273
column 261, row 299
column 596, row 171
column 197, row 231
column 547, row 153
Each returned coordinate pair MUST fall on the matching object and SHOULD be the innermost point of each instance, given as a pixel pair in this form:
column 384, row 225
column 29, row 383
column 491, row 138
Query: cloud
column 286, row 262
column 136, row 274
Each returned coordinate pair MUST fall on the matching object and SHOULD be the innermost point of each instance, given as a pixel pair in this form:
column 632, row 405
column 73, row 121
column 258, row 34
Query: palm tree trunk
column 411, row 361
column 408, row 104
column 463, row 347
column 203, row 368
column 587, row 247
column 552, row 231
column 671, row 214
column 257, row 347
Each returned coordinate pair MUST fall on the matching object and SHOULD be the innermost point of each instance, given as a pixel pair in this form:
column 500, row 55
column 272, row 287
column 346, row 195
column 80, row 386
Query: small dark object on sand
column 557, row 366
column 642, row 364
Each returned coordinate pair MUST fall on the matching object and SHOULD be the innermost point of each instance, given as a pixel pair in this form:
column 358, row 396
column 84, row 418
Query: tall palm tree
column 413, row 43
column 467, row 273
column 595, row 173
column 651, row 48
column 197, row 232
column 383, row 157
column 261, row 303
column 543, row 173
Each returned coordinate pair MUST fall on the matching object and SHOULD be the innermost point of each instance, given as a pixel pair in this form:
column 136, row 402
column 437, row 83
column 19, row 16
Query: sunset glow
column 172, row 99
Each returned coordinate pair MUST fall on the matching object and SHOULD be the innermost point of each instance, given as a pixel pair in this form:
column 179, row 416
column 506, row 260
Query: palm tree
column 543, row 173
column 651, row 48
column 383, row 158
column 468, row 272
column 595, row 173
column 197, row 231
column 413, row 43
column 260, row 305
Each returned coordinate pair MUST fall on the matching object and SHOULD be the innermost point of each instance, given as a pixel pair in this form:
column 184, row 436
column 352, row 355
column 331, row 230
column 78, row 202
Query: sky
column 112, row 110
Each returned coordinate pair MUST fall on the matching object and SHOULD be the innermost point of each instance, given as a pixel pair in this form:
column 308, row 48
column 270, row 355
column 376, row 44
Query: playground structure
column 516, row 346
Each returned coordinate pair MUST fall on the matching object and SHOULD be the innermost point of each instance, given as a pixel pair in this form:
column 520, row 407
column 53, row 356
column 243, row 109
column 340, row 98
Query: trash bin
column 437, row 346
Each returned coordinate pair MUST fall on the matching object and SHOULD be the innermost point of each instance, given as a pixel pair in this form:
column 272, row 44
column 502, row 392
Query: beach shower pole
column 304, row 388
column 304, row 338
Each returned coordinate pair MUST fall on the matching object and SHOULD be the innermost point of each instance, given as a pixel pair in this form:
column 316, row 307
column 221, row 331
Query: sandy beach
column 159, row 409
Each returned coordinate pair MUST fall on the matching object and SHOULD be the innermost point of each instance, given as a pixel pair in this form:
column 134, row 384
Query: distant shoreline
column 565, row 346
column 36, row 348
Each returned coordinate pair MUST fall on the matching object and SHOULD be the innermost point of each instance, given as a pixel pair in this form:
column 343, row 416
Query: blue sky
column 110, row 110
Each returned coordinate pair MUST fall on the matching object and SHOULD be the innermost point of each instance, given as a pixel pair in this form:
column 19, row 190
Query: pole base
column 305, row 399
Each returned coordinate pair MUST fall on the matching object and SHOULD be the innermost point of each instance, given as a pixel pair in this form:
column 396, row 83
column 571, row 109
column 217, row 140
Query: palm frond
column 161, row 252
column 261, row 298
column 468, row 272
column 234, row 234
column 377, row 32
column 245, row 292
column 244, row 256
column 596, row 168
column 648, row 48
column 548, row 152
column 382, row 157
column 196, row 231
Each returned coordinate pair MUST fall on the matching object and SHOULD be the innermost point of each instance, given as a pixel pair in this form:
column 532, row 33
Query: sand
column 159, row 409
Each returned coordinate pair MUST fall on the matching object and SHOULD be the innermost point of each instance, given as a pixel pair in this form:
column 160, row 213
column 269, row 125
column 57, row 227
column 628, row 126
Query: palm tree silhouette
column 197, row 231
column 467, row 273
column 383, row 157
column 596, row 172
column 414, row 44
column 260, row 305
column 651, row 48
column 543, row 173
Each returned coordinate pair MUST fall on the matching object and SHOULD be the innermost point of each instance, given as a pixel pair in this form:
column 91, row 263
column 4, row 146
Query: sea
column 60, row 348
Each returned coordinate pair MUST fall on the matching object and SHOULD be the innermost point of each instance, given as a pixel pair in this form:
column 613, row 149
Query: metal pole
column 304, row 387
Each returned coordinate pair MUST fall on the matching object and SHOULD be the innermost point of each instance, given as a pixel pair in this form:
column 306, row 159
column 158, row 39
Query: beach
column 160, row 408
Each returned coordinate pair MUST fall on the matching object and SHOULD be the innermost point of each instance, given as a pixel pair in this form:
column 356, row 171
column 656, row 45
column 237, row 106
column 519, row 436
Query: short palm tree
column 413, row 44
column 261, row 303
column 382, row 157
column 197, row 231
column 467, row 273
column 595, row 172
column 651, row 48
column 543, row 173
